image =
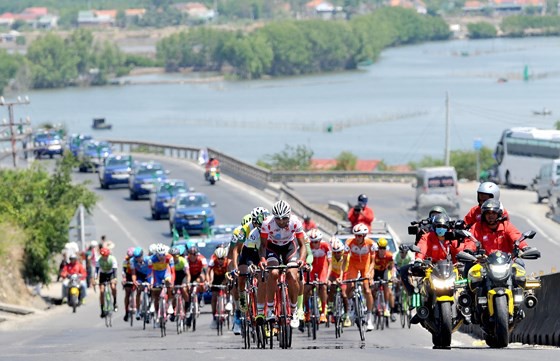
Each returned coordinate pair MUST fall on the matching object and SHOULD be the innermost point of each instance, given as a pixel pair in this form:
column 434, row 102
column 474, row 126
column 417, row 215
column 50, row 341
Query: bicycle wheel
column 194, row 314
column 219, row 313
column 162, row 312
column 403, row 307
column 178, row 312
column 359, row 317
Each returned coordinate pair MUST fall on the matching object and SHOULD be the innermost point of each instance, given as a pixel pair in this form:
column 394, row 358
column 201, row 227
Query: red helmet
column 130, row 252
column 104, row 252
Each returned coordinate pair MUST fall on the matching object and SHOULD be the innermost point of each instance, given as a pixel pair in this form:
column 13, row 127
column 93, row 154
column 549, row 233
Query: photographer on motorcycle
column 73, row 267
column 361, row 213
column 420, row 228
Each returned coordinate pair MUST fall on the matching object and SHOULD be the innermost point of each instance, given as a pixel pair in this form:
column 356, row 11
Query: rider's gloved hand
column 263, row 263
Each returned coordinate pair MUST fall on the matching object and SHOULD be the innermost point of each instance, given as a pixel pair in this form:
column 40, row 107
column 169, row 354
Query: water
column 399, row 102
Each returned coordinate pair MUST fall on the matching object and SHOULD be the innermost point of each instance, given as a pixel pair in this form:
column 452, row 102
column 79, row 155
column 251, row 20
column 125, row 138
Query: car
column 144, row 177
column 379, row 229
column 163, row 196
column 47, row 142
column 115, row 170
column 222, row 232
column 192, row 213
column 75, row 141
column 92, row 154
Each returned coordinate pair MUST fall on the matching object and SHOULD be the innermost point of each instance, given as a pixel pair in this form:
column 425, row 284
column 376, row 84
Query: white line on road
column 119, row 224
column 542, row 233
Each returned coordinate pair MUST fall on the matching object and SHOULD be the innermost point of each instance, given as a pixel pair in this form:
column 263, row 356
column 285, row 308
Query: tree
column 463, row 161
column 9, row 65
column 291, row 158
column 346, row 161
column 481, row 30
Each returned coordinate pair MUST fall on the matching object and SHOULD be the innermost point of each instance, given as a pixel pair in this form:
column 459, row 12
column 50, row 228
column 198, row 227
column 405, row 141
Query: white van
column 548, row 178
column 437, row 186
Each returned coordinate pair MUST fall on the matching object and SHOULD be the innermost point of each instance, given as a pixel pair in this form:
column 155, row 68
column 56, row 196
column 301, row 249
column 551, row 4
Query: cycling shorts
column 218, row 280
column 353, row 270
column 321, row 274
column 179, row 277
column 142, row 277
column 287, row 253
column 249, row 255
column 160, row 276
column 107, row 277
column 380, row 275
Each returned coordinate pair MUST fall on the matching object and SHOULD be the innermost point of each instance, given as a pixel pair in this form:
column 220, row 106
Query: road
column 61, row 335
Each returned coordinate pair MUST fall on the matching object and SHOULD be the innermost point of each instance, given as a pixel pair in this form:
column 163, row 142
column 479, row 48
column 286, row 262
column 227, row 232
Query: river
column 393, row 110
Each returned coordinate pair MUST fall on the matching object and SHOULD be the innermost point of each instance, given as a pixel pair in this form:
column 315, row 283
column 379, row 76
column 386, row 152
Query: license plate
column 120, row 176
column 147, row 186
column 74, row 291
column 194, row 223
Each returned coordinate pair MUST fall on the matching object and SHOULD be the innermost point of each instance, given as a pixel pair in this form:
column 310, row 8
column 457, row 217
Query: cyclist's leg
column 114, row 289
column 306, row 295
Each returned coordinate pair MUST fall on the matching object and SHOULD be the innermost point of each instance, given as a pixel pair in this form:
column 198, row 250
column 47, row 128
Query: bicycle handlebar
column 355, row 280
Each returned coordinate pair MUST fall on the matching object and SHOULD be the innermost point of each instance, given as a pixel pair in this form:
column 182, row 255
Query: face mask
column 441, row 231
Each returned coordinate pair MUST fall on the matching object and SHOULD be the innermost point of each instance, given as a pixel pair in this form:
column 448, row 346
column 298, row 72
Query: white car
column 379, row 229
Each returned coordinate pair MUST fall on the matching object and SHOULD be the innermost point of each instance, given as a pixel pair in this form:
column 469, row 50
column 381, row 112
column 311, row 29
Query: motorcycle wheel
column 74, row 302
column 445, row 321
column 502, row 320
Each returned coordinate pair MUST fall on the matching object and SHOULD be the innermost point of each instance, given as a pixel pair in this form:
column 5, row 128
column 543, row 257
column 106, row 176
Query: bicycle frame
column 358, row 304
column 221, row 314
column 108, row 303
column 179, row 309
column 145, row 303
column 131, row 302
column 282, row 309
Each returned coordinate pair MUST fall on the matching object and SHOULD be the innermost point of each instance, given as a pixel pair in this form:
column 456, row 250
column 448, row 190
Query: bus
column 521, row 152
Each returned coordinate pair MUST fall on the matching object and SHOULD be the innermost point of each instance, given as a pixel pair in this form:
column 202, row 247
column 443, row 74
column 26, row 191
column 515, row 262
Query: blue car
column 47, row 143
column 191, row 213
column 92, row 154
column 115, row 170
column 75, row 141
column 144, row 178
column 164, row 195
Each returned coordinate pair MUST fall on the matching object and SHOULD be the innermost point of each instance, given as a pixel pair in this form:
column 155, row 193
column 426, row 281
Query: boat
column 544, row 111
column 99, row 123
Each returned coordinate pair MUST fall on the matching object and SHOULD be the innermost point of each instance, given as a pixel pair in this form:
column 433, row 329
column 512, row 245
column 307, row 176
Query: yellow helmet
column 246, row 219
column 382, row 243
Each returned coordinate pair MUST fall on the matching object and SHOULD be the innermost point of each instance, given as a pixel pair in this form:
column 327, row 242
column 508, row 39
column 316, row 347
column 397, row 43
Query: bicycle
column 145, row 302
column 222, row 315
column 249, row 331
column 193, row 311
column 162, row 314
column 282, row 309
column 405, row 311
column 313, row 307
column 179, row 309
column 131, row 302
column 338, row 311
column 381, row 320
column 358, row 305
column 108, row 304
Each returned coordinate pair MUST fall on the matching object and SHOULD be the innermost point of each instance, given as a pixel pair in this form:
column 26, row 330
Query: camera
column 416, row 225
column 357, row 208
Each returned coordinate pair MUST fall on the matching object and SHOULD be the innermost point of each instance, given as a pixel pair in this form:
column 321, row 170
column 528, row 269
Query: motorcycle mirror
column 463, row 233
column 529, row 234
column 414, row 248
column 465, row 257
column 531, row 253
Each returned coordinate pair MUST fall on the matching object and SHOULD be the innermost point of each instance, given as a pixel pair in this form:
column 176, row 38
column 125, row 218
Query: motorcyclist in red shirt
column 308, row 224
column 212, row 163
column 485, row 191
column 361, row 213
column 74, row 267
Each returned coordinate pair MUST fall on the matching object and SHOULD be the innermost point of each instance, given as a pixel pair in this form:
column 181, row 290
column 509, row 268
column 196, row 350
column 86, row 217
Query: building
column 97, row 18
column 196, row 11
column 36, row 17
column 363, row 165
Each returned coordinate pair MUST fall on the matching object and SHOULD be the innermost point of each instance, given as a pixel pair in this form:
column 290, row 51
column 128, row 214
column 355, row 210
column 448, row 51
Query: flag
column 185, row 234
column 206, row 228
column 175, row 235
column 202, row 156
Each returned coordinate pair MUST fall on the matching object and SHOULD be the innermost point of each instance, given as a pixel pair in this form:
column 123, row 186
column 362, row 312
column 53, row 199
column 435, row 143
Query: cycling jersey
column 219, row 269
column 108, row 264
column 360, row 253
column 321, row 257
column 254, row 239
column 126, row 265
column 141, row 265
column 336, row 267
column 181, row 267
column 281, row 236
column 401, row 261
column 382, row 264
column 196, row 267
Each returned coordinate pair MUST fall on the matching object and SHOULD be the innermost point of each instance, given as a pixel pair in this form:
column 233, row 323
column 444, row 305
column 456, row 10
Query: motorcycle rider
column 425, row 226
column 308, row 223
column 485, row 191
column 361, row 213
column 73, row 267
column 212, row 163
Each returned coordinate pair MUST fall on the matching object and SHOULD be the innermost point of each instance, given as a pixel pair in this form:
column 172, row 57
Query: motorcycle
column 74, row 291
column 439, row 289
column 213, row 175
column 499, row 285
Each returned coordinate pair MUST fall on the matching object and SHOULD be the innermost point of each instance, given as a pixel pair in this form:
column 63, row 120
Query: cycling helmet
column 315, row 235
column 440, row 220
column 193, row 250
column 360, row 229
column 436, row 209
column 382, row 243
column 73, row 257
column 220, row 252
column 104, row 252
column 362, row 198
column 337, row 245
column 403, row 248
column 152, row 248
column 182, row 250
column 492, row 205
column 161, row 249
column 258, row 215
column 130, row 252
column 93, row 243
column 281, row 209
column 246, row 219
column 138, row 252
column 174, row 251
column 489, row 188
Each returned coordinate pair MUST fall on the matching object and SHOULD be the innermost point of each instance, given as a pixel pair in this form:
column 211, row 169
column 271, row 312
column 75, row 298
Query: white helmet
column 220, row 252
column 258, row 215
column 336, row 244
column 360, row 229
column 152, row 248
column 315, row 235
column 161, row 249
column 489, row 188
column 93, row 243
column 281, row 209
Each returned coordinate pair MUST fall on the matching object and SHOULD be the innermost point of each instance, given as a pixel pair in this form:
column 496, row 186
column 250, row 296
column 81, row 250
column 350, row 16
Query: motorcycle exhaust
column 530, row 301
column 464, row 300
column 423, row 312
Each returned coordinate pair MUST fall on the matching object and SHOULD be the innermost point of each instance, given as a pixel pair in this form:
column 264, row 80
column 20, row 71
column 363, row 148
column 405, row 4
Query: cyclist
column 73, row 267
column 281, row 237
column 161, row 266
column 107, row 272
column 217, row 270
column 359, row 258
column 140, row 272
column 383, row 266
column 403, row 261
column 321, row 268
column 485, row 191
column 127, row 277
column 198, row 269
column 335, row 276
column 182, row 276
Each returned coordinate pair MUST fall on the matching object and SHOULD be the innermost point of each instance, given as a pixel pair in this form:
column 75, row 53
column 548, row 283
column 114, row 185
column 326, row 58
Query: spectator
column 361, row 213
column 308, row 223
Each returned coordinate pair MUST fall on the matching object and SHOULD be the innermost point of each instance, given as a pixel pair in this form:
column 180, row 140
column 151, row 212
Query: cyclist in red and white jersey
column 282, row 237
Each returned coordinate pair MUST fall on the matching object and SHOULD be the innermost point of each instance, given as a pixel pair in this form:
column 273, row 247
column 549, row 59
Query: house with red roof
column 363, row 165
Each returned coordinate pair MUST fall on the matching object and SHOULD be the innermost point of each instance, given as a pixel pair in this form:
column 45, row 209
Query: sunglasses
column 382, row 248
column 282, row 218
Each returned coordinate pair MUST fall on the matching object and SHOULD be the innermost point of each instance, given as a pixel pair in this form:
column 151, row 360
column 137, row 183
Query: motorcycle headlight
column 443, row 284
column 499, row 270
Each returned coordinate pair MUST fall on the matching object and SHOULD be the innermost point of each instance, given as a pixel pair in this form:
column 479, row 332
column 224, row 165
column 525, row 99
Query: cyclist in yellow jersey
column 335, row 277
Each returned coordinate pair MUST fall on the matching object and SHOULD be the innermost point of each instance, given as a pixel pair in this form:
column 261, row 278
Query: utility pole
column 12, row 123
column 446, row 155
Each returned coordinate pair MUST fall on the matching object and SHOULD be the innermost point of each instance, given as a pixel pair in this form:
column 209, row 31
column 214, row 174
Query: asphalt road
column 61, row 335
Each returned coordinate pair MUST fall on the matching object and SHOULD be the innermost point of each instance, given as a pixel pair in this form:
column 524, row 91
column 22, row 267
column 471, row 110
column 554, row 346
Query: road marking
column 119, row 224
column 539, row 230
